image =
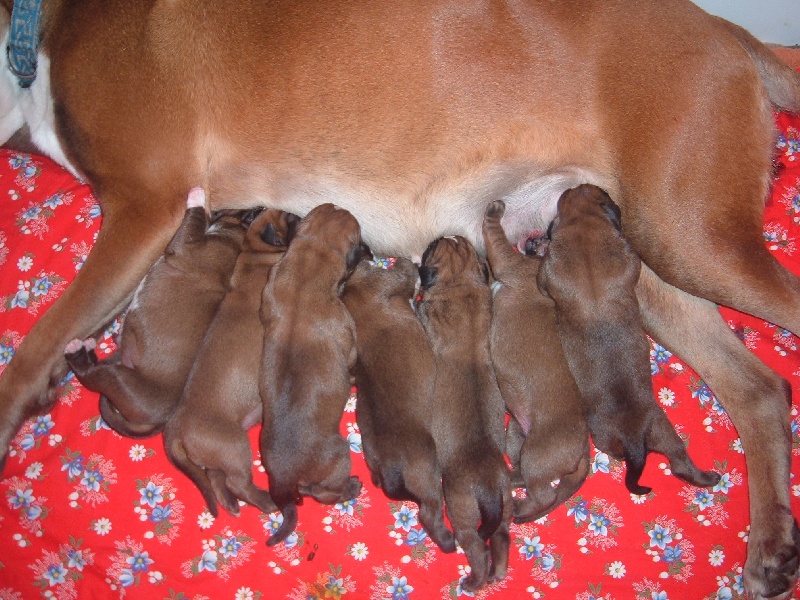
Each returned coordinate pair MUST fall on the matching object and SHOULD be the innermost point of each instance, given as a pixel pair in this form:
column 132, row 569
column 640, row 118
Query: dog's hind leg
column 758, row 402
column 129, row 242
column 663, row 438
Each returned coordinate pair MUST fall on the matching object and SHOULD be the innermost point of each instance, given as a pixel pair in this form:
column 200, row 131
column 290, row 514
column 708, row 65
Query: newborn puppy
column 141, row 383
column 468, row 411
column 395, row 373
column 309, row 349
column 590, row 271
column 206, row 437
column 534, row 379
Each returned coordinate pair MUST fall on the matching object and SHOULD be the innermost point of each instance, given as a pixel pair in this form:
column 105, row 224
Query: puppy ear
column 271, row 236
column 613, row 212
column 356, row 254
column 292, row 221
column 427, row 276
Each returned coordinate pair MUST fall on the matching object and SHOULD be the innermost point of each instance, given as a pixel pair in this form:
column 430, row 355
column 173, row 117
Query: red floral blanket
column 86, row 513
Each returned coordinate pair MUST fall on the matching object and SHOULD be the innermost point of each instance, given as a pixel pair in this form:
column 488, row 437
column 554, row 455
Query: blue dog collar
column 23, row 40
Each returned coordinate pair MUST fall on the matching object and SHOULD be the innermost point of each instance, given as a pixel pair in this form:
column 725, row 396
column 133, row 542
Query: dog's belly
column 404, row 220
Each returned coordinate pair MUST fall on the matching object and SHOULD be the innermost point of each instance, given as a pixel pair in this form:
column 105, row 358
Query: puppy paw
column 496, row 209
column 80, row 355
column 73, row 347
column 771, row 569
column 196, row 198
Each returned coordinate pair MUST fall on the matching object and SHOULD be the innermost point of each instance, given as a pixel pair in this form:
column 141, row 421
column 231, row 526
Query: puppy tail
column 779, row 79
column 176, row 451
column 491, row 506
column 289, row 512
column 635, row 458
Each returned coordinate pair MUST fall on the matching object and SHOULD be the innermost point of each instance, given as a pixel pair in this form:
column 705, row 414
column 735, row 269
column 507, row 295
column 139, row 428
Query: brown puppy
column 141, row 383
column 415, row 138
column 395, row 373
column 534, row 379
column 590, row 271
column 309, row 349
column 468, row 411
column 206, row 437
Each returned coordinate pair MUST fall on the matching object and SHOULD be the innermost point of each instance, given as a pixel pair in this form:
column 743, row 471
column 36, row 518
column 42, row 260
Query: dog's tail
column 289, row 512
column 176, row 452
column 779, row 79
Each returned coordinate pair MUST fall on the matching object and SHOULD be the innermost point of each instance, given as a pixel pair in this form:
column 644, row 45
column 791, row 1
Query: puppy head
column 271, row 231
column 586, row 201
column 451, row 260
column 337, row 231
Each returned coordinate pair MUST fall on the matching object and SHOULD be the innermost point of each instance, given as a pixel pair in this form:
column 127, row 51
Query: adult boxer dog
column 590, row 272
column 548, row 438
column 206, row 437
column 141, row 384
column 413, row 115
column 309, row 349
column 468, row 410
column 395, row 373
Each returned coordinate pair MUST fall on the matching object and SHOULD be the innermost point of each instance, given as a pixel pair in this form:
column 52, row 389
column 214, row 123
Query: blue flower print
column 598, row 524
column 600, row 463
column 703, row 393
column 22, row 499
column 658, row 356
column 704, row 499
column 27, row 442
column 75, row 559
column 55, row 574
column 335, row 587
column 416, row 537
column 672, row 554
column 160, row 513
column 658, row 596
column 531, row 548
column 346, row 507
column 33, row 512
column 724, row 593
column 151, row 494
column 95, row 211
column 18, row 161
column 6, row 354
column 40, row 287
column 399, row 588
column 126, row 578
column 660, row 536
column 54, row 201
column 92, row 480
column 32, row 213
column 208, row 562
column 139, row 561
column 579, row 511
column 229, row 548
column 548, row 562
column 405, row 519
column 74, row 467
column 43, row 426
column 354, row 441
column 20, row 299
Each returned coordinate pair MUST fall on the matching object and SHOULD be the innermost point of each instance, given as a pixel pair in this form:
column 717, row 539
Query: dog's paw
column 496, row 209
column 196, row 198
column 771, row 570
column 73, row 347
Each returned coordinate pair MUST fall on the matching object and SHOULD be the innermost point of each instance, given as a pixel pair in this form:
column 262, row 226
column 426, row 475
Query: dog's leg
column 757, row 401
column 129, row 242
column 500, row 543
column 462, row 509
column 423, row 483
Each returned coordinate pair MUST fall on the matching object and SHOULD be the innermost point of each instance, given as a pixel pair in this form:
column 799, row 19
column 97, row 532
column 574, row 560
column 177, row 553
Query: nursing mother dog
column 414, row 115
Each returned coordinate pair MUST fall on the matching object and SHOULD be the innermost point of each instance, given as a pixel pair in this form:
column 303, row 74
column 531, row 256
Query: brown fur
column 590, row 272
column 141, row 383
column 534, row 379
column 662, row 105
column 468, row 410
column 309, row 349
column 206, row 437
column 395, row 373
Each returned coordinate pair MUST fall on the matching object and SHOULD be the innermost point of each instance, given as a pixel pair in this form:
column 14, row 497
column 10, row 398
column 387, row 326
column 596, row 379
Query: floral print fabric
column 87, row 513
